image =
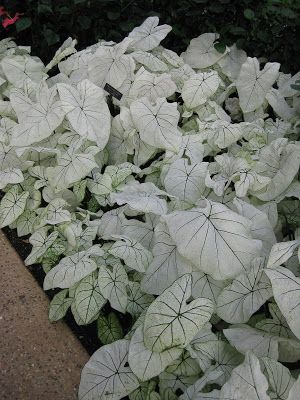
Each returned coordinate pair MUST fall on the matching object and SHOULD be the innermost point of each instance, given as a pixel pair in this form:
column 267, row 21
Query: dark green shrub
column 264, row 28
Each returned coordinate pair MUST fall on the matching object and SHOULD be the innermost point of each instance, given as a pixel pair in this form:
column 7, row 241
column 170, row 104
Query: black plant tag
column 114, row 92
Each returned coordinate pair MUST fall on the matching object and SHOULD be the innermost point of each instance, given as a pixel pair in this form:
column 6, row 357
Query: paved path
column 38, row 360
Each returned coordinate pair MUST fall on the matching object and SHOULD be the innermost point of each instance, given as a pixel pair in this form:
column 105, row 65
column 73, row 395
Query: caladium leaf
column 150, row 61
column 12, row 206
column 138, row 301
column 146, row 363
column 18, row 68
column 141, row 197
column 186, row 181
column 71, row 167
column 110, row 65
column 199, row 88
column 282, row 252
column 245, row 295
column 132, row 253
column 109, row 328
column 151, row 86
column 286, row 291
column 148, row 35
column 157, row 124
column 59, row 305
column 216, row 240
column 279, row 377
column 88, row 298
column 40, row 241
column 167, row 264
column 170, row 321
column 106, row 376
column 205, row 286
column 245, row 338
column 87, row 111
column 37, row 121
column 201, row 52
column 252, row 84
column 70, row 270
column 246, row 381
column 112, row 281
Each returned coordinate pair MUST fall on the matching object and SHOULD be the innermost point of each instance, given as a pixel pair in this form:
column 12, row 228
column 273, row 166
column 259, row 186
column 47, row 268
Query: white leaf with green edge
column 144, row 391
column 18, row 69
column 25, row 223
column 194, row 348
column 157, row 124
column 276, row 325
column 205, row 286
column 279, row 377
column 282, row 252
column 87, row 236
column 246, row 382
column 174, row 382
column 151, row 85
column 70, row 270
column 150, row 61
column 146, row 363
column 59, row 305
column 245, row 338
column 201, row 52
column 216, row 355
column 294, row 391
column 106, row 375
column 10, row 175
column 170, row 321
column 186, row 181
column 283, row 167
column 132, row 253
column 86, row 110
column 224, row 134
column 141, row 197
column 109, row 328
column 249, row 181
column 194, row 392
column 286, row 291
column 110, row 65
column 40, row 241
column 143, row 232
column 184, row 365
column 199, row 88
column 101, row 184
column 138, row 301
column 71, row 168
column 112, row 281
column 232, row 62
column 56, row 212
column 37, row 120
column 88, row 298
column 214, row 239
column 12, row 205
column 148, row 35
column 167, row 264
column 245, row 295
column 119, row 173
column 253, row 84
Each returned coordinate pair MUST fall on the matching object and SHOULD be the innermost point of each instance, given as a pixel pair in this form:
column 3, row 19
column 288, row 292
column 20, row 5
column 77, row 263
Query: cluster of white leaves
column 176, row 205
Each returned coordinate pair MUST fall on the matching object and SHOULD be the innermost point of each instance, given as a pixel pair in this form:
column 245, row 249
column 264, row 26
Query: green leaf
column 109, row 328
column 249, row 14
column 51, row 37
column 23, row 23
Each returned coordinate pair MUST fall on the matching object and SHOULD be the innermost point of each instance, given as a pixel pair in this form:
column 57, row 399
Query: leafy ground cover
column 161, row 196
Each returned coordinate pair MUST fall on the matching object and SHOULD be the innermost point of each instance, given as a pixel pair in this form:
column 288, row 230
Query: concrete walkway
column 38, row 360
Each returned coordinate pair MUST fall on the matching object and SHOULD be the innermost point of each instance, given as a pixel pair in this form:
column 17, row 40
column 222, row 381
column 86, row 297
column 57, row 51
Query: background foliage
column 264, row 28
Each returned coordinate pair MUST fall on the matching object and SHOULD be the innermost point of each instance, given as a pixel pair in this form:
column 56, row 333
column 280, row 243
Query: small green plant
column 160, row 192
